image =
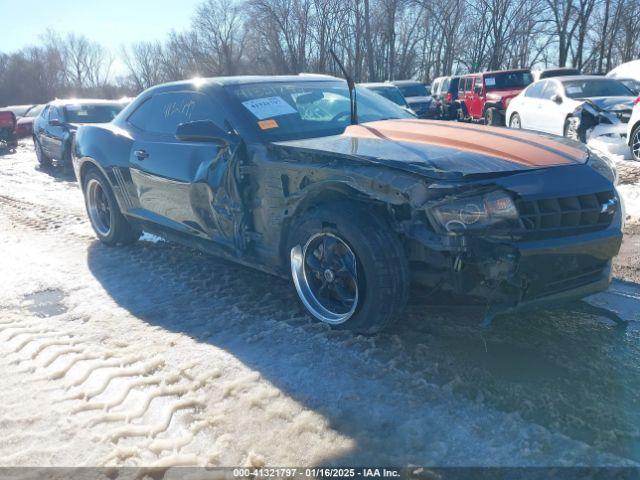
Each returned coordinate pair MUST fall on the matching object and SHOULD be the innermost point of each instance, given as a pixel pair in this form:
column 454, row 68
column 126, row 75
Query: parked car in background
column 444, row 91
column 579, row 107
column 417, row 95
column 54, row 129
column 24, row 125
column 555, row 72
column 485, row 96
column 633, row 131
column 389, row 91
column 18, row 110
column 8, row 140
column 279, row 174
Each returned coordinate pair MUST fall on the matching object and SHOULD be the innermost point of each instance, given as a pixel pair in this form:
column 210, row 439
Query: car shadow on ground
column 57, row 173
column 571, row 372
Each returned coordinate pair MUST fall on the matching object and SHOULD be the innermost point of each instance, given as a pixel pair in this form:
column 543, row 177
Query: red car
column 7, row 131
column 485, row 96
column 24, row 125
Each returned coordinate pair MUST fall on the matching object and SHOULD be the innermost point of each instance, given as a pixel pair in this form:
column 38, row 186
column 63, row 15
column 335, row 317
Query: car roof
column 567, row 78
column 407, row 82
column 83, row 101
column 252, row 79
column 378, row 85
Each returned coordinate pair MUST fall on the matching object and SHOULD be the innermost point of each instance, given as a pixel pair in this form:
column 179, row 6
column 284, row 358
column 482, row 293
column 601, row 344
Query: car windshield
column 34, row 111
column 84, row 113
column 414, row 90
column 297, row 110
column 19, row 110
column 633, row 85
column 390, row 93
column 507, row 80
column 595, row 87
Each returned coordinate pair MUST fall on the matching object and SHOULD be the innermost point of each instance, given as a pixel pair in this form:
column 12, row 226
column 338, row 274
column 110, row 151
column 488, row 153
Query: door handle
column 141, row 154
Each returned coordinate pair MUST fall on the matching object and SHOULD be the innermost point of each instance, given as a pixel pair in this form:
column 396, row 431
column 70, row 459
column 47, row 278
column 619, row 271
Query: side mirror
column 202, row 131
column 55, row 122
column 555, row 98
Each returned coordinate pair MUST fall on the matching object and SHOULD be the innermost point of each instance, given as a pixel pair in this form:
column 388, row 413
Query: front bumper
column 520, row 274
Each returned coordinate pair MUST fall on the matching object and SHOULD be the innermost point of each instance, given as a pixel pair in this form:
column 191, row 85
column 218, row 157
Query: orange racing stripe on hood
column 528, row 149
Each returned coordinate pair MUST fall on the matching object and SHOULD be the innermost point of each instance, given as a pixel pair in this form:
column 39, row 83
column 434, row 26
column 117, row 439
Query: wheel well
column 84, row 170
column 633, row 129
column 329, row 194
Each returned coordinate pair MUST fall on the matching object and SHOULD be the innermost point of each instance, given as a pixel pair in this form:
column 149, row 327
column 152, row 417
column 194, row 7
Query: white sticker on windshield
column 489, row 81
column 574, row 89
column 268, row 107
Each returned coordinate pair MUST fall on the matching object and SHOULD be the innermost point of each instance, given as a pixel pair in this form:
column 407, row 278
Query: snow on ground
column 155, row 354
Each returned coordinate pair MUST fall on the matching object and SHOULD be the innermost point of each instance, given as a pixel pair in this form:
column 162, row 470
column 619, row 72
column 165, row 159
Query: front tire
column 634, row 144
column 515, row 122
column 111, row 227
column 349, row 267
column 42, row 157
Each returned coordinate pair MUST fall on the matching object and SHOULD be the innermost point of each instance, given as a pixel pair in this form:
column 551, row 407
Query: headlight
column 603, row 166
column 475, row 212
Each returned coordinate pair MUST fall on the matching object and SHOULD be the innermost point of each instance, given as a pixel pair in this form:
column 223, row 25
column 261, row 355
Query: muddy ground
column 155, row 354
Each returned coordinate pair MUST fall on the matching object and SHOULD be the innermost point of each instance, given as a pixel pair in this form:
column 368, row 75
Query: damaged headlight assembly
column 603, row 166
column 459, row 215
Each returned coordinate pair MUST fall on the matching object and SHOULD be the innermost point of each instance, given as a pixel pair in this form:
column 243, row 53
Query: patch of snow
column 631, row 198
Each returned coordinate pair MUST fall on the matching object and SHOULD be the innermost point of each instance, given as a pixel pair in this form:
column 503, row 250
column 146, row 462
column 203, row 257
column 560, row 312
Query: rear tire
column 492, row 117
column 634, row 144
column 361, row 283
column 571, row 129
column 111, row 227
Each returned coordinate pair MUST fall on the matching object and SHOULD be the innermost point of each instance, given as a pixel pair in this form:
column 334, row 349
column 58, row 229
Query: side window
column 141, row 115
column 165, row 111
column 54, row 113
column 535, row 90
column 550, row 90
column 45, row 112
column 477, row 86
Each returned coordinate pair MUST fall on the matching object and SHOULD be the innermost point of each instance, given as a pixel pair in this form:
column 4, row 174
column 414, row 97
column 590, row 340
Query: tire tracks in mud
column 94, row 400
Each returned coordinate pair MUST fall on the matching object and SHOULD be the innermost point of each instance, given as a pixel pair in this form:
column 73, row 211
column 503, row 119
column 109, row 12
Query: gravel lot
column 157, row 355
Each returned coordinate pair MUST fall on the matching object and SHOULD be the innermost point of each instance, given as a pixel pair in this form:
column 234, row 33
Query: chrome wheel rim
column 515, row 121
column 98, row 207
column 635, row 145
column 325, row 275
column 572, row 129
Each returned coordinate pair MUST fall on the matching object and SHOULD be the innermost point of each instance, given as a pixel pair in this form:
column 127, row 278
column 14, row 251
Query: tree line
column 376, row 40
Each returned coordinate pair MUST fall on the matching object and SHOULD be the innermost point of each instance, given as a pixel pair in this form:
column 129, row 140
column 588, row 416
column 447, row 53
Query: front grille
column 564, row 216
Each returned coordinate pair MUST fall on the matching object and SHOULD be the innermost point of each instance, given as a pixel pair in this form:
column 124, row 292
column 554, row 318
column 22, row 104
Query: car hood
column 411, row 100
column 611, row 103
column 444, row 150
column 25, row 121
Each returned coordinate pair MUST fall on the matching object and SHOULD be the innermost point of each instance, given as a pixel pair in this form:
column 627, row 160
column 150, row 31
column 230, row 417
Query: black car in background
column 282, row 175
column 54, row 128
column 444, row 91
column 417, row 95
column 389, row 91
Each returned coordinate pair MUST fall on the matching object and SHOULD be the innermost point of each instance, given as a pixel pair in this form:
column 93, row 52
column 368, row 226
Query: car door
column 530, row 110
column 477, row 94
column 56, row 132
column 551, row 116
column 39, row 125
column 172, row 177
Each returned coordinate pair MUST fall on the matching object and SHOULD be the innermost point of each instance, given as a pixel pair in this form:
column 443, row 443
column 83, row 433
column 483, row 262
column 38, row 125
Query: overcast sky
column 110, row 22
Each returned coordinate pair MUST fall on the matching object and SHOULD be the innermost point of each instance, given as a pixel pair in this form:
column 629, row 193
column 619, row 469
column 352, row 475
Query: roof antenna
column 352, row 89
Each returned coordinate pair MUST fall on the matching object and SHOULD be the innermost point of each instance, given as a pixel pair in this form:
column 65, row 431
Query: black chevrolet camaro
column 276, row 173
